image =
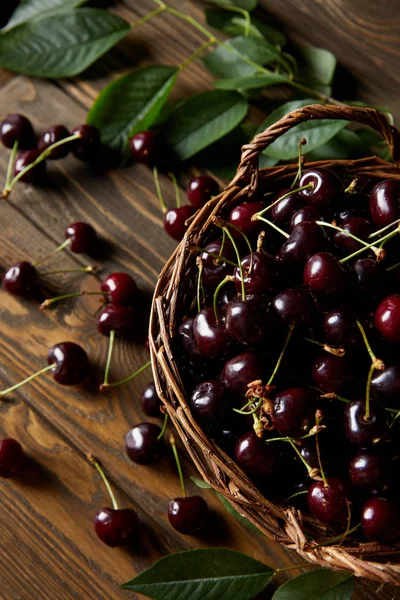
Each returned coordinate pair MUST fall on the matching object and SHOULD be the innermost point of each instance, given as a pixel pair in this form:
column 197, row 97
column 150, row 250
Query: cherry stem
column 52, row 253
column 367, row 415
column 10, row 167
column 376, row 233
column 303, row 460
column 333, row 396
column 99, row 468
column 246, row 239
column 242, row 411
column 376, row 362
column 335, row 351
column 159, row 191
column 352, row 185
column 218, row 257
column 338, row 537
column 354, row 237
column 89, row 269
column 256, row 217
column 197, row 53
column 164, row 427
column 178, row 464
column 380, row 255
column 27, row 380
column 318, row 418
column 302, row 143
column 295, row 495
column 259, row 214
column 257, row 426
column 149, row 16
column 230, row 236
column 222, row 244
column 278, row 362
column 127, row 379
column 40, row 159
column 216, row 293
column 109, row 356
column 49, row 301
column 176, row 188
column 199, row 283
column 393, row 267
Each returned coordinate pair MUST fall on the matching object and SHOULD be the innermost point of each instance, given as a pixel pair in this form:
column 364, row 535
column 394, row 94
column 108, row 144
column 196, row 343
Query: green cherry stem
column 149, row 16
column 218, row 257
column 221, row 284
column 176, row 188
column 373, row 246
column 242, row 411
column 10, row 168
column 246, row 239
column 393, row 267
column 376, row 233
column 377, row 363
column 230, row 236
column 256, row 217
column 333, row 396
column 367, row 415
column 27, row 380
column 164, row 427
column 197, row 53
column 127, row 379
column 99, row 468
column 307, row 465
column 354, row 237
column 52, row 253
column 335, row 351
column 264, row 210
column 159, row 191
column 109, row 356
column 178, row 464
column 50, row 301
column 318, row 418
column 199, row 263
column 278, row 362
column 89, row 269
column 300, row 159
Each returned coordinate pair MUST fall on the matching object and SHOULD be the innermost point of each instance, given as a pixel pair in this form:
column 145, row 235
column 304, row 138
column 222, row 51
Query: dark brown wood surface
column 48, row 549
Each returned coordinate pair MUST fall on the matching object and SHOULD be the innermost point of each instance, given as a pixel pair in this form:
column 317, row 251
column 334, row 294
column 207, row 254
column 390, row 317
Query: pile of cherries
column 291, row 360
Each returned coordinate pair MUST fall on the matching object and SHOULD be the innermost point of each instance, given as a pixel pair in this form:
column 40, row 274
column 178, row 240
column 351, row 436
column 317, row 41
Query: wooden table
column 48, row 549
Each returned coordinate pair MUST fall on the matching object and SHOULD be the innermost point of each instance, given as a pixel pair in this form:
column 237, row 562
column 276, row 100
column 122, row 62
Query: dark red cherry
column 380, row 520
column 245, row 320
column 149, row 401
column 51, row 136
column 333, row 373
column 71, row 363
column 21, row 280
column 339, row 327
column 261, row 274
column 384, row 202
column 188, row 515
column 211, row 336
column 114, row 317
column 121, row 289
column 241, row 370
column 385, row 385
column 387, row 318
column 17, row 128
column 214, row 269
column 209, row 401
column 188, row 342
column 145, row 147
column 37, row 174
column 282, row 212
column 12, row 458
column 83, row 238
column 175, row 221
column 370, row 470
column 117, row 527
column 256, row 457
column 371, row 278
column 306, row 239
column 293, row 305
column 240, row 217
column 352, row 205
column 307, row 213
column 326, row 186
column 324, row 276
column 142, row 444
column 361, row 431
column 358, row 227
column 201, row 189
column 87, row 147
column 294, row 412
column 330, row 503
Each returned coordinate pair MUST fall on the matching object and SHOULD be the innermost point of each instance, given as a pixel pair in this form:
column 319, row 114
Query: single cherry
column 245, row 320
column 363, row 431
column 357, row 226
column 17, row 128
column 21, row 280
column 175, row 221
column 201, row 189
column 380, row 520
column 241, row 217
column 87, row 147
column 255, row 456
column 293, row 305
column 329, row 502
column 372, row 279
column 241, row 370
column 306, row 239
column 387, row 318
column 261, row 274
column 144, row 445
column 211, row 337
column 188, row 342
column 215, row 269
column 71, row 364
column 370, row 470
column 149, row 401
column 37, row 174
column 120, row 319
column 188, row 515
column 333, row 374
column 282, row 212
column 307, row 213
column 324, row 276
column 294, row 412
column 145, row 147
column 384, row 202
column 209, row 401
column 12, row 458
column 385, row 385
column 339, row 327
column 82, row 238
column 54, row 134
column 325, row 188
column 120, row 289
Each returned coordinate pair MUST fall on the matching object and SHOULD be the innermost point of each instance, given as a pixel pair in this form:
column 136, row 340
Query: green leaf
column 234, row 24
column 34, row 9
column 203, row 575
column 203, row 119
column 226, row 63
column 232, row 511
column 223, row 156
column 131, row 104
column 316, row 132
column 320, row 64
column 251, row 83
column 200, row 483
column 373, row 142
column 321, row 584
column 247, row 5
column 61, row 45
column 266, row 161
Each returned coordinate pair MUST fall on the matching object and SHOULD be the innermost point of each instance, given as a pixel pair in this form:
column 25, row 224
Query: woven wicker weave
column 173, row 295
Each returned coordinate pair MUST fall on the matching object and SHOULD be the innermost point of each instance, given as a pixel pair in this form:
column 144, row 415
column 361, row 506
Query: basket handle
column 248, row 167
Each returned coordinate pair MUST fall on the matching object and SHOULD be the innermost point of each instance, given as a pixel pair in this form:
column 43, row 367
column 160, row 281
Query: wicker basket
column 173, row 295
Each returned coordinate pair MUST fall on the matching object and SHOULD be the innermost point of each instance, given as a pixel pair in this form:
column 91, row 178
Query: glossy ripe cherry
column 21, row 280
column 241, row 370
column 149, row 401
column 117, row 527
column 114, row 317
column 144, row 147
column 294, row 412
column 211, row 336
column 385, row 385
column 329, row 503
column 87, row 147
column 188, row 515
column 241, row 216
column 12, row 458
column 261, row 274
column 214, row 269
column 361, row 431
column 71, row 364
column 175, row 221
column 307, row 213
column 326, row 186
column 120, row 289
column 209, row 400
column 245, row 320
column 339, row 327
column 257, row 458
column 201, row 189
column 372, row 279
column 51, row 136
column 380, row 520
column 384, row 202
column 358, row 227
column 142, row 444
column 82, row 237
column 333, row 373
column 282, row 212
column 37, row 174
column 188, row 342
column 17, row 128
column 370, row 470
column 293, row 305
column 306, row 239
column 324, row 276
column 387, row 318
